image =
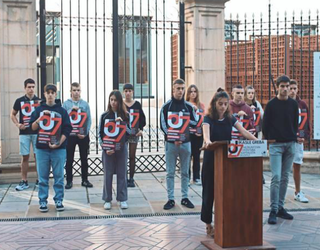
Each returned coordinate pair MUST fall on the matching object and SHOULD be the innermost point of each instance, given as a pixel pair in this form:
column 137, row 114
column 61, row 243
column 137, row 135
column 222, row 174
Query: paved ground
column 165, row 232
column 148, row 197
column 178, row 231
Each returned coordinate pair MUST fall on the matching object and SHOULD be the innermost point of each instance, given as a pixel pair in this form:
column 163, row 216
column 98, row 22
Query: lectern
column 238, row 204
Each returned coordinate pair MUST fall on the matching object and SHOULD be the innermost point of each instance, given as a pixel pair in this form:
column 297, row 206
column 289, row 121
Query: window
column 134, row 61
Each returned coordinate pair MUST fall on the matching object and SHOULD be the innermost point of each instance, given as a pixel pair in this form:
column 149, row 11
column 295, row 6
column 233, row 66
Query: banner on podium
column 247, row 148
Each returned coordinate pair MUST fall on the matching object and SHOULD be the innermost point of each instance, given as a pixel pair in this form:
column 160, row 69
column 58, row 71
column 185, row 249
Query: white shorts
column 298, row 156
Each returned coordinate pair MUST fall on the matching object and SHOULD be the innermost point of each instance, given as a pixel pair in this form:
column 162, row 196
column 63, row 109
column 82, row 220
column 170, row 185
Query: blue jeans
column 47, row 158
column 281, row 159
column 172, row 153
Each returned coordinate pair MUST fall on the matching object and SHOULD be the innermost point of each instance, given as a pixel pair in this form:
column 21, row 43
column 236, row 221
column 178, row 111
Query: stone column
column 205, row 46
column 18, row 56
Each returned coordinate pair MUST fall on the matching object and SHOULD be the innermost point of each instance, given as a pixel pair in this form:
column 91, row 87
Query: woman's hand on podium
column 206, row 144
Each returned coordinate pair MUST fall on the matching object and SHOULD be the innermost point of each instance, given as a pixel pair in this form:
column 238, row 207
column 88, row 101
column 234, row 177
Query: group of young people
column 224, row 119
column 53, row 130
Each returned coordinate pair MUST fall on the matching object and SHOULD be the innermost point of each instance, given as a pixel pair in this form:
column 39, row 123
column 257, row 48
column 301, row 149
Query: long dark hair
column 121, row 110
column 246, row 93
column 197, row 101
column 212, row 110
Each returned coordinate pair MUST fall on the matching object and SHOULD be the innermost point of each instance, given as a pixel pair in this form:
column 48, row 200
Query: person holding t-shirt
column 115, row 161
column 280, row 123
column 217, row 126
column 177, row 148
column 133, row 139
column 304, row 135
column 25, row 105
column 74, row 104
column 238, row 106
column 51, row 153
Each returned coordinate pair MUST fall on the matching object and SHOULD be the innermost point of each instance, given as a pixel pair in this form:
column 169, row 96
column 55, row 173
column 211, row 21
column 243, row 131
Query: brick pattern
column 175, row 56
column 174, row 232
column 254, row 57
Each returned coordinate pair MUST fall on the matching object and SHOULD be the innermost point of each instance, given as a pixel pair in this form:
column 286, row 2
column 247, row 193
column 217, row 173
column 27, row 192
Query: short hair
column 128, row 86
column 28, row 81
column 281, row 79
column 50, row 87
column 237, row 86
column 74, row 84
column 293, row 82
column 178, row 81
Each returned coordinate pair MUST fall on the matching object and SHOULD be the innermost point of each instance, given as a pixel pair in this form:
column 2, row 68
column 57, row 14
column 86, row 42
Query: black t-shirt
column 220, row 130
column 25, row 107
column 137, row 106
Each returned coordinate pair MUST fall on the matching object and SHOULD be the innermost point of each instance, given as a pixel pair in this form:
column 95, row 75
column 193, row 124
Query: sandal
column 210, row 231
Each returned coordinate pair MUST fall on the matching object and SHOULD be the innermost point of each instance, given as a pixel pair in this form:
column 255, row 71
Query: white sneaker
column 197, row 182
column 107, row 205
column 123, row 205
column 301, row 197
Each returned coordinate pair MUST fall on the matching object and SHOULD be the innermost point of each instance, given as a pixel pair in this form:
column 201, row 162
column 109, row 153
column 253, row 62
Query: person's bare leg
column 297, row 176
column 24, row 167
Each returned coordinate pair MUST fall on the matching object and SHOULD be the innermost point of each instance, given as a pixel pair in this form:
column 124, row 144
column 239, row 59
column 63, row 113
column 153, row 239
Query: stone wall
column 205, row 46
column 17, row 62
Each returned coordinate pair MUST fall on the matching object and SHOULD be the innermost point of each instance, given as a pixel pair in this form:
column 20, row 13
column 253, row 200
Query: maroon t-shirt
column 235, row 108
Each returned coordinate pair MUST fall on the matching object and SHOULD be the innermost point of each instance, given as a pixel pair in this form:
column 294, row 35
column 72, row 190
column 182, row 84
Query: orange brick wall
column 246, row 60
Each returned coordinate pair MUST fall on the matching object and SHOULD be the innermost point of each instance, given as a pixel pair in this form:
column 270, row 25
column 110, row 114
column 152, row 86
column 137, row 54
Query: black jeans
column 196, row 144
column 207, row 186
column 84, row 150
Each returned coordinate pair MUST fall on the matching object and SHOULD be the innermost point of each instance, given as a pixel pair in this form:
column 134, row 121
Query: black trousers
column 207, row 187
column 84, row 150
column 196, row 144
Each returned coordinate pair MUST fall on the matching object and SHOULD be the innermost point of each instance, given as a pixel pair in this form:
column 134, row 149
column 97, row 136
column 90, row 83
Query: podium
column 238, row 204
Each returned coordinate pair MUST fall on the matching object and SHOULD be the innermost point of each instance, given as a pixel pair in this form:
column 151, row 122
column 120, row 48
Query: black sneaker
column 43, row 207
column 170, row 204
column 68, row 185
column 272, row 217
column 37, row 183
column 86, row 184
column 282, row 213
column 131, row 183
column 187, row 203
column 59, row 206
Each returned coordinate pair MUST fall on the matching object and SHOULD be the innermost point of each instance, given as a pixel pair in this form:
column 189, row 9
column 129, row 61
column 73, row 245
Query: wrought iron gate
column 77, row 43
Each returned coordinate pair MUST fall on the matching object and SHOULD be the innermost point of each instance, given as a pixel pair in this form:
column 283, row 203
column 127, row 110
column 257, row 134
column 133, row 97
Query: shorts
column 25, row 141
column 298, row 155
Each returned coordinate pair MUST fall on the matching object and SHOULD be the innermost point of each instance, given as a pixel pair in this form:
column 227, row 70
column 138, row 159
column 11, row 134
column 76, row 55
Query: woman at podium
column 217, row 126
